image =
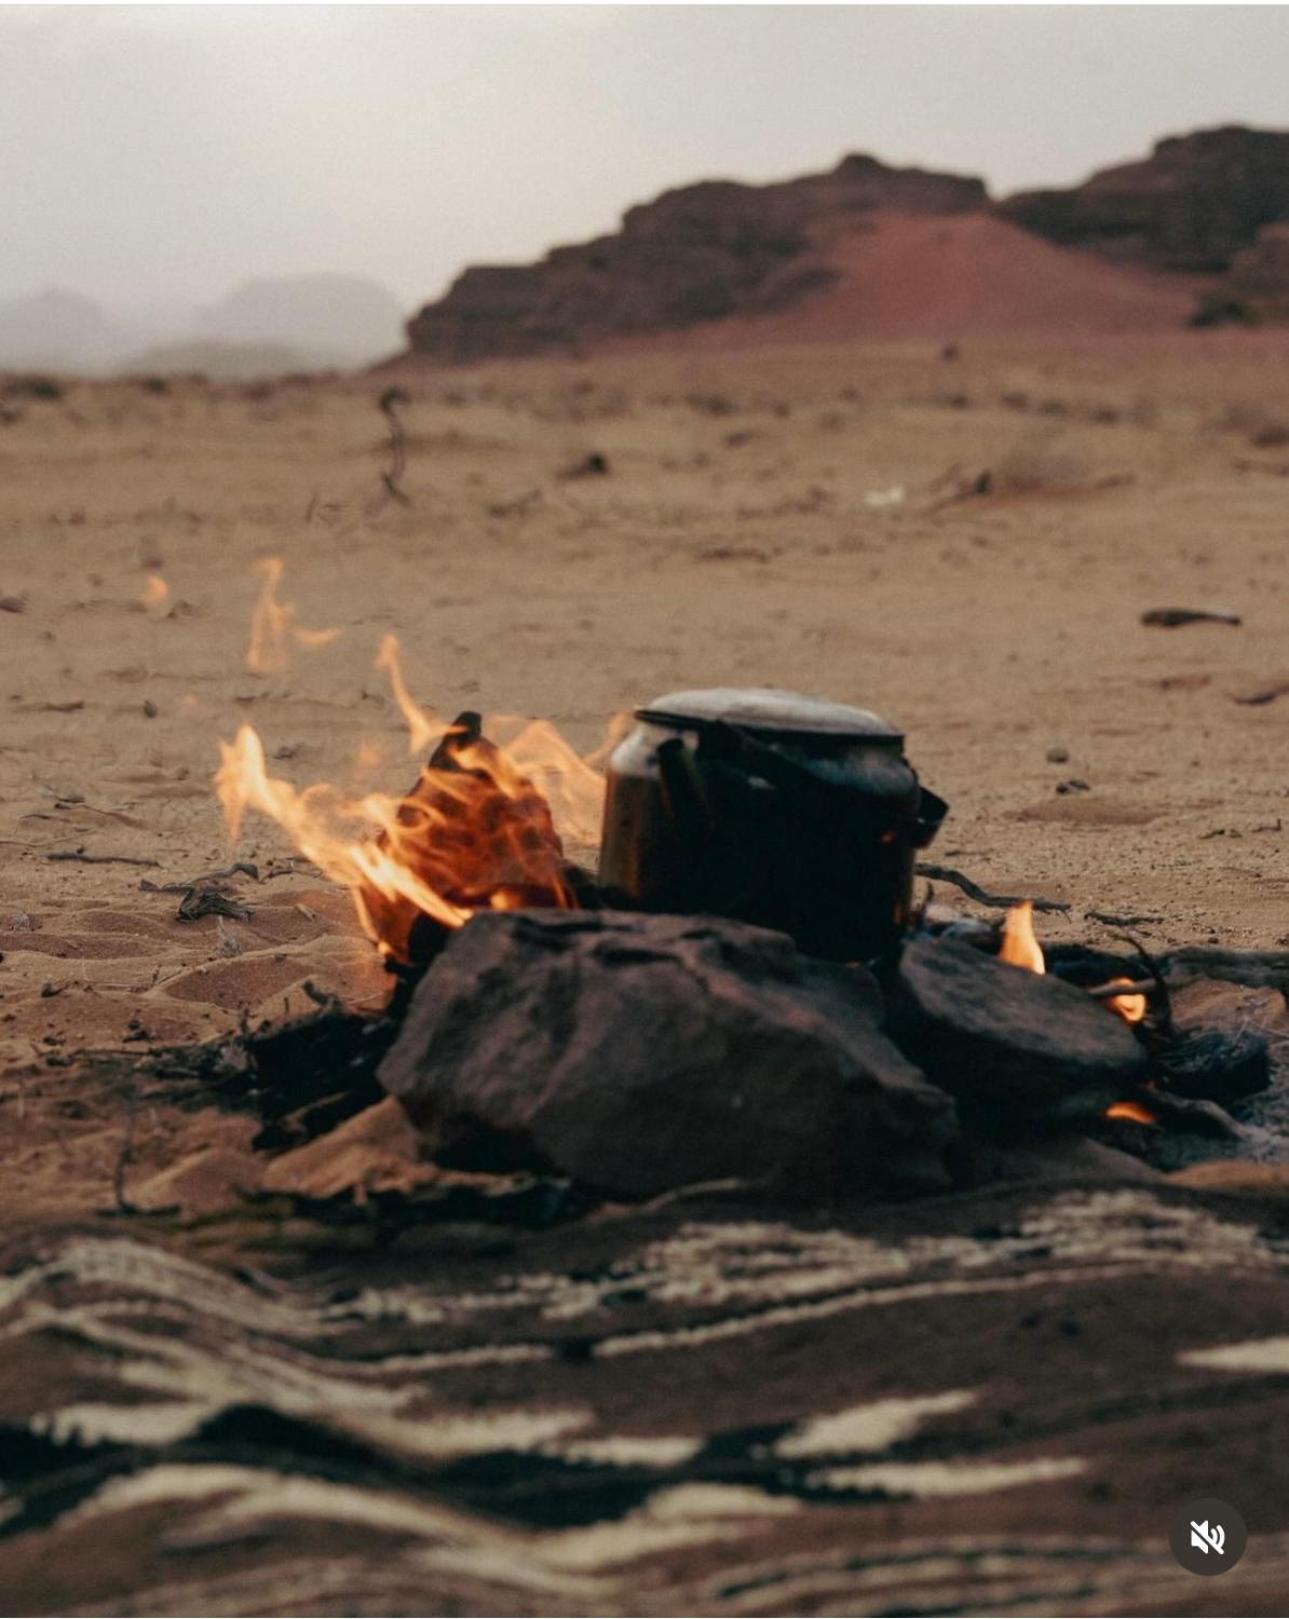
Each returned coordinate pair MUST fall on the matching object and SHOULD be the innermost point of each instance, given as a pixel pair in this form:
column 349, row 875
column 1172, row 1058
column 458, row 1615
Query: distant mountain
column 226, row 362
column 298, row 323
column 54, row 330
column 1192, row 205
column 704, row 252
column 347, row 318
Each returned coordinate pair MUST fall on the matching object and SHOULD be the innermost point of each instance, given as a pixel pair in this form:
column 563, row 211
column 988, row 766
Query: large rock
column 643, row 1053
column 1008, row 1043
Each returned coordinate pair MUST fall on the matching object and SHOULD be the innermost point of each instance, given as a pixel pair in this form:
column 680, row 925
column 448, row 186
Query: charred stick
column 1137, row 986
column 946, row 874
column 1111, row 920
column 1255, row 969
column 392, row 477
column 98, row 859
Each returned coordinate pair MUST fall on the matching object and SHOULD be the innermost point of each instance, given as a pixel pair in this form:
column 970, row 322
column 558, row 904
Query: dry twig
column 947, row 874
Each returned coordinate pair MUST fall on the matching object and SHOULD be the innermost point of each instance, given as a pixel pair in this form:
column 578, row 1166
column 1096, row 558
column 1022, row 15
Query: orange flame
column 1021, row 948
column 421, row 729
column 1020, row 945
column 476, row 831
column 1132, row 1008
column 1130, row 1110
column 156, row 592
column 273, row 626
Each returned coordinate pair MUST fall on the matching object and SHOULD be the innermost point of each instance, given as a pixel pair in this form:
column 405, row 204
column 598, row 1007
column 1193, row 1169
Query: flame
column 1132, row 1008
column 1130, row 1110
column 1019, row 945
column 475, row 831
column 273, row 626
column 156, row 592
column 1021, row 948
column 421, row 729
column 571, row 785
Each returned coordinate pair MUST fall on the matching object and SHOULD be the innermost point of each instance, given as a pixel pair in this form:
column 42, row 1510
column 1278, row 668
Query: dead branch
column 98, row 859
column 1111, row 920
column 1111, row 991
column 391, row 478
column 1170, row 618
column 239, row 868
column 1254, row 969
column 947, row 874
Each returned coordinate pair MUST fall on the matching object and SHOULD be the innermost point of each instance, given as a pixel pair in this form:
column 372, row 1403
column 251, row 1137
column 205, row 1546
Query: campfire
column 476, row 830
column 745, row 990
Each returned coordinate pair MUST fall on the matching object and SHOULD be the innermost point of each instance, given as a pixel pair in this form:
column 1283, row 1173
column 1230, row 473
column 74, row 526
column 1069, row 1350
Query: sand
column 783, row 517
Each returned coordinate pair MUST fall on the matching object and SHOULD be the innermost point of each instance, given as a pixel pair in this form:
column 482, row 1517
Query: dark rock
column 643, row 1053
column 1193, row 204
column 1217, row 1065
column 1008, row 1043
column 1062, row 1157
column 697, row 253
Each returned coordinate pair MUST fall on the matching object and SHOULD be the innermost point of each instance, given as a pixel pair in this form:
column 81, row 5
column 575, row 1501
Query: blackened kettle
column 771, row 807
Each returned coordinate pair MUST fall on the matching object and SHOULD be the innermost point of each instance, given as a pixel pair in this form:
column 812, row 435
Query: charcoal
column 1008, row 1044
column 1218, row 1066
column 640, row 1054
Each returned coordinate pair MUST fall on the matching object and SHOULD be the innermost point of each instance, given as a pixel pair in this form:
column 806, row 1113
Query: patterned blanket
column 980, row 1405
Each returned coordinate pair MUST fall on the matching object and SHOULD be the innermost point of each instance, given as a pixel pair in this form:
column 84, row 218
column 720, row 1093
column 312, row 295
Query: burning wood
column 475, row 832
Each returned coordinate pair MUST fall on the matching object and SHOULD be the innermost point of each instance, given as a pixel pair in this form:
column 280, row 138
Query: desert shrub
column 1039, row 464
column 47, row 388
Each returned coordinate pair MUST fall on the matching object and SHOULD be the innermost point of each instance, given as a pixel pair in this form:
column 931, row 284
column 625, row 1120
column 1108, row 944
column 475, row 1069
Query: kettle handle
column 931, row 811
column 684, row 795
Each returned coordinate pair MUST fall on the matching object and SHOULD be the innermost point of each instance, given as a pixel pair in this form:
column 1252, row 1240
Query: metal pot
column 774, row 808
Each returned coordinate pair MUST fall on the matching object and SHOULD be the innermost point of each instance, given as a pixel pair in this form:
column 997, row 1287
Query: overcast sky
column 168, row 153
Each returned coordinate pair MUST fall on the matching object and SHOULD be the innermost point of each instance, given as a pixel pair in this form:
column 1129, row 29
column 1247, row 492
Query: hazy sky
column 167, row 153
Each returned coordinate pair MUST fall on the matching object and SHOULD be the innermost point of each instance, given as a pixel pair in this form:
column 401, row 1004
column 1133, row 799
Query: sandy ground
column 779, row 518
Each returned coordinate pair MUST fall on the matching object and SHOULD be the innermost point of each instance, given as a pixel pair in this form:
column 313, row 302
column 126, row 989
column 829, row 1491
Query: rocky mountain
column 1195, row 203
column 697, row 254
column 1141, row 246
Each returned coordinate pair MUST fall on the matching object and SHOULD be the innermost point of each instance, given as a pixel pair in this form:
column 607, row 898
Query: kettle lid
column 766, row 710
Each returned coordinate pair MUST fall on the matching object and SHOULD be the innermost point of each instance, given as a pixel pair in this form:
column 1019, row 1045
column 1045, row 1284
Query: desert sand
column 792, row 517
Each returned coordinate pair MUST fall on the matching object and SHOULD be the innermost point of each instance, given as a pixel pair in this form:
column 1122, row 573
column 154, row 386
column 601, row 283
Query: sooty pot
column 770, row 807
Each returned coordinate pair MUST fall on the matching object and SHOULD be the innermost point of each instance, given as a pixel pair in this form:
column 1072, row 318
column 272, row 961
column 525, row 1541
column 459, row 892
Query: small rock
column 1058, row 756
column 1075, row 784
column 375, row 1151
column 594, row 465
column 13, row 604
column 150, row 709
column 1008, row 1042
